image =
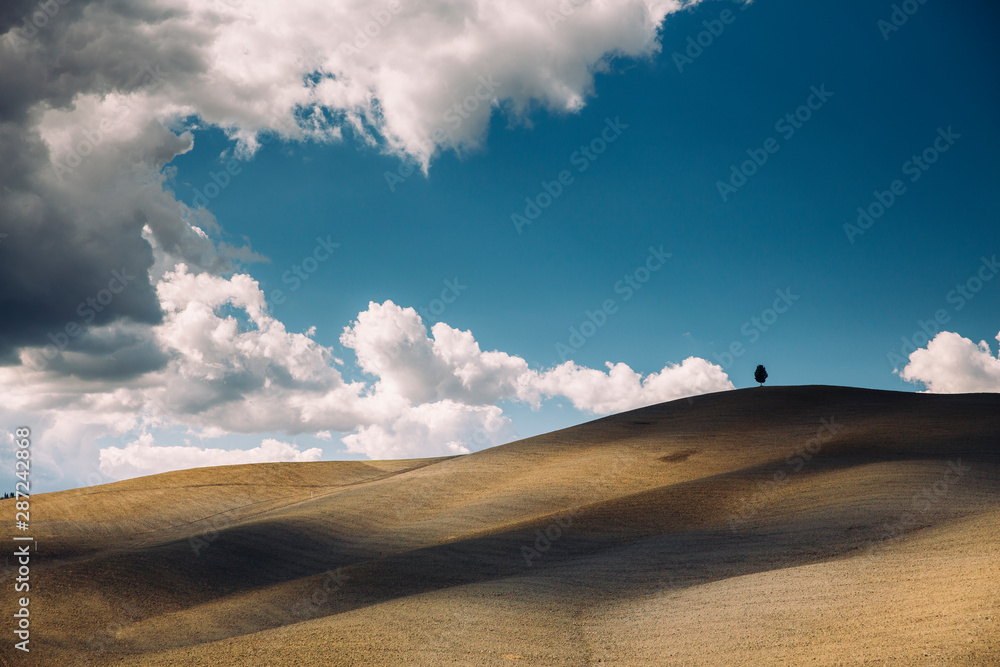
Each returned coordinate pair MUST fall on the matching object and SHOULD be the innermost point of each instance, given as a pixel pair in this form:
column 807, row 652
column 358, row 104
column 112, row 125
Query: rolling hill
column 780, row 525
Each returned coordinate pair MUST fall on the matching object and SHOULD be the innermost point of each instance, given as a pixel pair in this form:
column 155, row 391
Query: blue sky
column 680, row 126
column 657, row 185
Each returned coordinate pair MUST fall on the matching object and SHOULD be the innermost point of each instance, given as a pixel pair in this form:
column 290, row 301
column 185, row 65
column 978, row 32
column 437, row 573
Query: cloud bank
column 233, row 368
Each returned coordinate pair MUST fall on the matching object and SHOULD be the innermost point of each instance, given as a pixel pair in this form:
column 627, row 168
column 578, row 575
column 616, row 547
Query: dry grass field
column 766, row 526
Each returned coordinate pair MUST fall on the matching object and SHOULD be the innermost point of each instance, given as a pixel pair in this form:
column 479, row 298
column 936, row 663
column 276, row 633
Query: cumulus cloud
column 391, row 342
column 622, row 388
column 951, row 364
column 411, row 77
column 143, row 457
column 230, row 367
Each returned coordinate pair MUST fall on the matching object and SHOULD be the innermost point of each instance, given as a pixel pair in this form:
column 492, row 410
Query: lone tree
column 760, row 375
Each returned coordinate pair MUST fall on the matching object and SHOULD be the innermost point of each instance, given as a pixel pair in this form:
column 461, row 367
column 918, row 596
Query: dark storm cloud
column 68, row 233
column 57, row 255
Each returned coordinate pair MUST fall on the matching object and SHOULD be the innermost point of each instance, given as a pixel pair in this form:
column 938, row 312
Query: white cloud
column 143, row 457
column 951, row 364
column 426, row 76
column 391, row 342
column 444, row 428
column 622, row 388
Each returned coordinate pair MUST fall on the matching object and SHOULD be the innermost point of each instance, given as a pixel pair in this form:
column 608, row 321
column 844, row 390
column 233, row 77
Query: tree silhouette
column 760, row 375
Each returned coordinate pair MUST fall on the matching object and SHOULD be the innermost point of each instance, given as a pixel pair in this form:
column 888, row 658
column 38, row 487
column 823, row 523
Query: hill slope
column 818, row 525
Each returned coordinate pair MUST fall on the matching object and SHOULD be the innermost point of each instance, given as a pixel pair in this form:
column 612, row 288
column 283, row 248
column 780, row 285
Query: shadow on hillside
column 688, row 548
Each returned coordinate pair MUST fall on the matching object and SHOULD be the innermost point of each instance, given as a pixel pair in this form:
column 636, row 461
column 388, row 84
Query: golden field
column 766, row 526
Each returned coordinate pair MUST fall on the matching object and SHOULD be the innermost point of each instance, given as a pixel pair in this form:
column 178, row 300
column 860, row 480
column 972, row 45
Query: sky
column 243, row 231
